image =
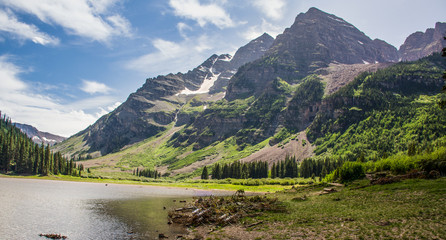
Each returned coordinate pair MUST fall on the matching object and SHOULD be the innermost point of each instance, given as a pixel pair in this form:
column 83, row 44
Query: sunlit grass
column 411, row 209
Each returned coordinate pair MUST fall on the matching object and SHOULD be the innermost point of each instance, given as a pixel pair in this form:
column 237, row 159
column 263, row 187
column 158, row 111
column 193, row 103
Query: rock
column 53, row 236
column 422, row 44
column 315, row 40
column 162, row 236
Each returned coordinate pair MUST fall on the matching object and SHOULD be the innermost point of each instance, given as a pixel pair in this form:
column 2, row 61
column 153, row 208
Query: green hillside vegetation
column 381, row 114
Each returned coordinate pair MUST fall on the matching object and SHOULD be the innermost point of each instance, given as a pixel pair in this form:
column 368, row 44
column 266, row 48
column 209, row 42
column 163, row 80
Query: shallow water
column 78, row 210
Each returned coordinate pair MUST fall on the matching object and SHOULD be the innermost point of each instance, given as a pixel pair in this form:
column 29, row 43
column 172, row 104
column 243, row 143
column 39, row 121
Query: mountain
column 162, row 100
column 38, row 136
column 315, row 40
column 302, row 94
column 422, row 44
column 248, row 53
column 263, row 88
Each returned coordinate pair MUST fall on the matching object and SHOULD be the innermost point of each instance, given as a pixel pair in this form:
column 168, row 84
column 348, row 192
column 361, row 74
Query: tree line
column 238, row 170
column 146, row 173
column 20, row 155
column 287, row 168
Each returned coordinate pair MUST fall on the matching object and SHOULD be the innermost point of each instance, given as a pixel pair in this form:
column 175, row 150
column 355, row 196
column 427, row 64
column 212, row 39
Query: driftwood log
column 223, row 210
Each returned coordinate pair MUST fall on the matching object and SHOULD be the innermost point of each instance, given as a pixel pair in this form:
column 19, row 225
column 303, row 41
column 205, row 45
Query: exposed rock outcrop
column 315, row 40
column 422, row 44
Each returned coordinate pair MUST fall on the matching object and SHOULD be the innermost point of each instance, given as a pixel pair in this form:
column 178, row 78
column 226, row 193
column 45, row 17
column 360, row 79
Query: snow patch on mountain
column 205, row 87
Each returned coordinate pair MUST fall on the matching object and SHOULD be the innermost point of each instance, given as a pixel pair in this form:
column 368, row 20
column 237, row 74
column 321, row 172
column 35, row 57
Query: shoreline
column 224, row 188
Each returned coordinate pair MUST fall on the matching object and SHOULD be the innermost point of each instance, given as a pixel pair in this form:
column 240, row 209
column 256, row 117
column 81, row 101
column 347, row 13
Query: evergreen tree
column 273, row 171
column 204, row 174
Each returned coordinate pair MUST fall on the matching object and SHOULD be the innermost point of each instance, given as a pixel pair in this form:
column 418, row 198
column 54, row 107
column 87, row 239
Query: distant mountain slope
column 422, row 44
column 160, row 102
column 38, row 136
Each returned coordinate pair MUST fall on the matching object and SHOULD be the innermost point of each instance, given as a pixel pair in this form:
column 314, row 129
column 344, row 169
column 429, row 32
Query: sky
column 65, row 63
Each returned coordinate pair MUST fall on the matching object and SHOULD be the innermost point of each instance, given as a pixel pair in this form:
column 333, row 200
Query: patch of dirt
column 338, row 75
column 273, row 154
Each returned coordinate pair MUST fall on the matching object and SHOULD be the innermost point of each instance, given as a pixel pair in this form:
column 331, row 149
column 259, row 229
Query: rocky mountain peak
column 253, row 50
column 421, row 44
column 315, row 40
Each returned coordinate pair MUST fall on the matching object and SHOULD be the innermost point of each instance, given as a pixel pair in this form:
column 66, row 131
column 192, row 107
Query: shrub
column 348, row 172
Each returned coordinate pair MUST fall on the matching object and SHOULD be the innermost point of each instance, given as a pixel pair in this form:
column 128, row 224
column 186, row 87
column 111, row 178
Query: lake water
column 88, row 210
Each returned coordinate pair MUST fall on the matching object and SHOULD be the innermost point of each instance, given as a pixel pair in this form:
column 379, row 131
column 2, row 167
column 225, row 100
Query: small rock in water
column 161, row 236
column 53, row 236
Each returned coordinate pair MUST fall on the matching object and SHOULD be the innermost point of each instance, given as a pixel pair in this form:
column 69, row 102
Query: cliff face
column 422, row 44
column 248, row 53
column 315, row 40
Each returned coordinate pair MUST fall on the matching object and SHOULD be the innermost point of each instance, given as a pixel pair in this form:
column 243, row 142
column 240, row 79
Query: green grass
column 411, row 209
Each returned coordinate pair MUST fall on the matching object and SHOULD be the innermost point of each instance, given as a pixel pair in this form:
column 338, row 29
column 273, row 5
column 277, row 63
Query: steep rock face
column 38, row 136
column 420, row 44
column 157, row 103
column 248, row 53
column 312, row 42
column 305, row 104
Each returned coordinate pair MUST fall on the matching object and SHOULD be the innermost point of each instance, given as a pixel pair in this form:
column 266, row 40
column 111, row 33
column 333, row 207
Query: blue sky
column 65, row 63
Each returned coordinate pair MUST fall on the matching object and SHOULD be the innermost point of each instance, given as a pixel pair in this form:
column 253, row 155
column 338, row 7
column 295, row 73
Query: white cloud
column 93, row 87
column 85, row 18
column 257, row 30
column 109, row 109
column 121, row 25
column 101, row 6
column 182, row 28
column 172, row 57
column 272, row 8
column 19, row 101
column 10, row 24
column 9, row 76
column 202, row 13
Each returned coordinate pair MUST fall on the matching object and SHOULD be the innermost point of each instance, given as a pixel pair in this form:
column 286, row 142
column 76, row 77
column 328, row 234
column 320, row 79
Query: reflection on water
column 87, row 210
column 143, row 218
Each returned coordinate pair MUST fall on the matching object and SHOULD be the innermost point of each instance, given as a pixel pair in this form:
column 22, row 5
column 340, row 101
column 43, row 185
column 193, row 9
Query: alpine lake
column 79, row 210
